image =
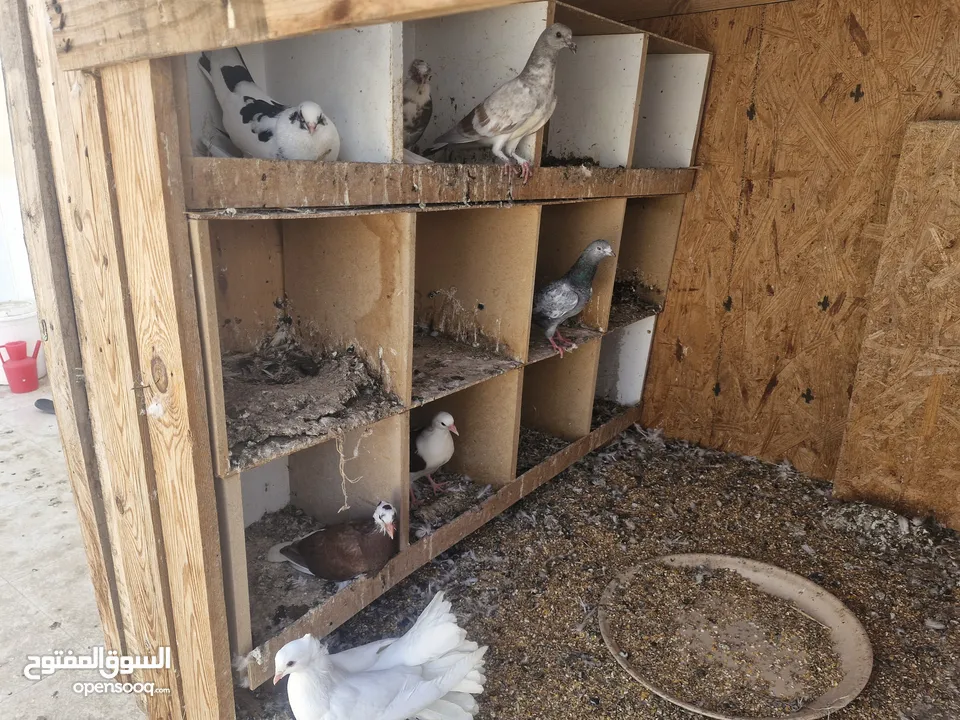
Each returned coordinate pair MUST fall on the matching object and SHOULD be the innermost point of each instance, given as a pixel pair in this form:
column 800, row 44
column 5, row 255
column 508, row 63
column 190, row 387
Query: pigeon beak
column 277, row 678
column 311, row 127
column 453, row 429
column 573, row 46
column 389, row 527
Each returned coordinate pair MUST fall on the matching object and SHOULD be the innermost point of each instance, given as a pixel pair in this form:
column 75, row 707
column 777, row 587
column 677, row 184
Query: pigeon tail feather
column 433, row 635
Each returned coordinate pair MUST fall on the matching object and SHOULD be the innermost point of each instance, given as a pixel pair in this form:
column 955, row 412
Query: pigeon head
column 445, row 420
column 385, row 517
column 312, row 116
column 598, row 250
column 420, row 72
column 298, row 656
column 559, row 37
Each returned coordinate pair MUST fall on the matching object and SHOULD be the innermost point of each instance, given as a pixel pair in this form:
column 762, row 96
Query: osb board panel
column 558, row 393
column 348, row 281
column 221, row 183
column 247, row 260
column 372, row 470
column 638, row 9
column 900, row 446
column 807, row 105
column 565, row 231
column 487, row 419
column 487, row 257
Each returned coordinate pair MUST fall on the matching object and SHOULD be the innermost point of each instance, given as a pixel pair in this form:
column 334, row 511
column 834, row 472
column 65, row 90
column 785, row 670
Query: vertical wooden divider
column 51, row 284
column 72, row 111
column 558, row 393
column 144, row 144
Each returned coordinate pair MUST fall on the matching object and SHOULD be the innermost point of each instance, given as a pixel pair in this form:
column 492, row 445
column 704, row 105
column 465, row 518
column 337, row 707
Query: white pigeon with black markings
column 516, row 109
column 432, row 672
column 260, row 126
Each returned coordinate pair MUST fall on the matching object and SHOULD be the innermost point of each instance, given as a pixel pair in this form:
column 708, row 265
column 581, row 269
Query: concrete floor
column 46, row 598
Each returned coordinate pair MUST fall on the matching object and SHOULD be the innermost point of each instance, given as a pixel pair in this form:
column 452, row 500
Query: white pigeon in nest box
column 260, row 126
column 430, row 449
column 432, row 672
column 342, row 552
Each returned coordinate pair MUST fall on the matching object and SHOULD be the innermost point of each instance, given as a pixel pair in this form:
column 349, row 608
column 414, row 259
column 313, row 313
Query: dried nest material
column 715, row 640
column 535, row 447
column 443, row 313
column 460, row 494
column 633, row 299
column 442, row 365
column 282, row 396
column 279, row 593
column 604, row 411
column 568, row 159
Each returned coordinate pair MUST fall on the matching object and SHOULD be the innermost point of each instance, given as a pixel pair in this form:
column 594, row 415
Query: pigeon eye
column 558, row 34
column 387, row 507
column 290, row 664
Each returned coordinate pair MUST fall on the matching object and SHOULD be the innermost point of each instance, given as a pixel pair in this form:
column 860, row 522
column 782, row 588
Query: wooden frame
column 170, row 263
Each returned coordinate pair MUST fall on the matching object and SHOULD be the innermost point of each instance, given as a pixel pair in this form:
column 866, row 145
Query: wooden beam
column 144, row 141
column 91, row 33
column 227, row 183
column 642, row 9
column 81, row 166
column 54, row 296
column 900, row 445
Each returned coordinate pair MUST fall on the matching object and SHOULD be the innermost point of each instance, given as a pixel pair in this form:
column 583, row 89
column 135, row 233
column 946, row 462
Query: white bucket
column 18, row 321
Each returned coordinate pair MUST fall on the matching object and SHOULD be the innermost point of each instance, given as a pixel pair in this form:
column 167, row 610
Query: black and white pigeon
column 561, row 299
column 417, row 104
column 430, row 673
column 430, row 449
column 260, row 126
column 516, row 109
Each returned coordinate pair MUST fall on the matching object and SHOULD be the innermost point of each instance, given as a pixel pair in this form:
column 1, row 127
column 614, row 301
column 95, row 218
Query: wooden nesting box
column 402, row 289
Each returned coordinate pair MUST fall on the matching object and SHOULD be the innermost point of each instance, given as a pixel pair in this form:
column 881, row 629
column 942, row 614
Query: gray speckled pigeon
column 566, row 297
column 517, row 108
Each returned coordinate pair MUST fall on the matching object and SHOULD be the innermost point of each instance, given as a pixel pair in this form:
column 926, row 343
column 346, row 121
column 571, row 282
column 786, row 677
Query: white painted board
column 471, row 55
column 354, row 75
column 670, row 107
column 623, row 362
column 264, row 489
column 596, row 99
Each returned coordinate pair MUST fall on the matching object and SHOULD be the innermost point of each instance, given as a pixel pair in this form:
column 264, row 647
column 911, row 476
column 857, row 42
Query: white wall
column 15, row 281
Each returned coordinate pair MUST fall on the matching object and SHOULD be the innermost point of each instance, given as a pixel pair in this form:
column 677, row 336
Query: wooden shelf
column 442, row 366
column 233, row 183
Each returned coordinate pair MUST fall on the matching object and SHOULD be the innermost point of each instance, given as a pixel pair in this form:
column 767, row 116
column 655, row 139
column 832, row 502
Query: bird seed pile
column 756, row 657
column 282, row 397
column 633, row 299
column 528, row 583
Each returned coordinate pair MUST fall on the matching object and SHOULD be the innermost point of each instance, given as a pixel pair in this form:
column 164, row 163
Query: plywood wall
column 757, row 349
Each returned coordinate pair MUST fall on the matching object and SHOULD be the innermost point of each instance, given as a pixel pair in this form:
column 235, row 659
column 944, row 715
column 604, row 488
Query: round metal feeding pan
column 850, row 640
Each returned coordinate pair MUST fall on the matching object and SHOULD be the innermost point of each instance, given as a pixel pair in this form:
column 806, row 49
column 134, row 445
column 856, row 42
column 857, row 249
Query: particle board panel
column 44, row 239
column 900, row 444
column 246, row 264
column 487, row 416
column 72, row 107
column 326, row 618
column 233, row 183
column 348, row 281
column 145, row 156
column 650, row 230
column 366, row 467
column 474, row 275
column 640, row 9
column 558, row 393
column 565, row 231
column 807, row 106
column 89, row 33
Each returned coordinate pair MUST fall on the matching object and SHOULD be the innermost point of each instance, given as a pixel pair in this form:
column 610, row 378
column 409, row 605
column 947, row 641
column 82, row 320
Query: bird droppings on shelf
column 540, row 348
column 442, row 366
column 283, row 397
column 633, row 299
column 436, row 510
column 527, row 582
column 279, row 593
column 568, row 160
column 534, row 447
column 604, row 411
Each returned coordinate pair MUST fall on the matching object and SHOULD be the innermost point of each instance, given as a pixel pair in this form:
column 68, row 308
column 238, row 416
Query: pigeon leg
column 435, row 486
column 497, row 149
column 556, row 347
column 523, row 166
column 414, row 503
